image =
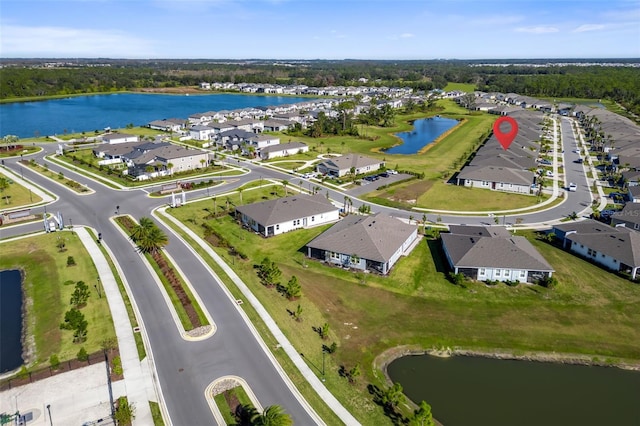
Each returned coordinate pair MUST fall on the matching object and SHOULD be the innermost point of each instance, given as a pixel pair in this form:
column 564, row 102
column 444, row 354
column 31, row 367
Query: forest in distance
column 538, row 78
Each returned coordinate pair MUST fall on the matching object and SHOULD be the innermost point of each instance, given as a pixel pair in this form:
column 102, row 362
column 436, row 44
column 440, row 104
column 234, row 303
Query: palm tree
column 148, row 237
column 284, row 184
column 170, row 167
column 240, row 194
column 273, row 415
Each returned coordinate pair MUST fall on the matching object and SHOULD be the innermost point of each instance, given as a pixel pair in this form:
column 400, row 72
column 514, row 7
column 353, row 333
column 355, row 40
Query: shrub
column 117, row 365
column 548, row 282
column 54, row 361
column 457, row 279
column 512, row 283
column 82, row 354
column 71, row 261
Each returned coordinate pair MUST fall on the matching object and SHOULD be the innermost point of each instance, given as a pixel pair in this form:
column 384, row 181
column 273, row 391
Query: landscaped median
column 56, row 177
column 193, row 321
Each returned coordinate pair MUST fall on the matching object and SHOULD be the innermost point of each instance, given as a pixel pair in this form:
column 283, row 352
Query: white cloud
column 540, row 29
column 588, row 27
column 406, row 35
column 64, row 42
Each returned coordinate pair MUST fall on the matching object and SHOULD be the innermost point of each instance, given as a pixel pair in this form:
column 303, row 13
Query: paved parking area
column 78, row 397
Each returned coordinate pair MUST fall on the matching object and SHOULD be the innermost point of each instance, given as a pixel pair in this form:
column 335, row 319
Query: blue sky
column 320, row 29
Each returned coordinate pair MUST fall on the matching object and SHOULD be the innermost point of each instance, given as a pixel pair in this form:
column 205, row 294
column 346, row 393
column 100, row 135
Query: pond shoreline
column 382, row 361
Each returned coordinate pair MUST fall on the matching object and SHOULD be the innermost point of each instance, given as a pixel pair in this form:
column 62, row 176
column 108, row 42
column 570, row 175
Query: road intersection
column 185, row 368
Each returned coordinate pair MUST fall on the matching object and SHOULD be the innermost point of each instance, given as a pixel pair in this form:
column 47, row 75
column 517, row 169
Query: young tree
column 392, row 396
column 297, row 314
column 422, row 416
column 293, row 290
column 324, row 331
column 354, row 373
column 80, row 295
column 4, row 184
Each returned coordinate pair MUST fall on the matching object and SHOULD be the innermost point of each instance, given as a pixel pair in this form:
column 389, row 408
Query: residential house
column 492, row 253
column 634, row 193
column 615, row 248
column 280, row 215
column 167, row 125
column 342, row 165
column 283, row 150
column 115, row 138
column 262, row 141
column 201, row 132
column 497, row 178
column 277, row 125
column 628, row 217
column 365, row 242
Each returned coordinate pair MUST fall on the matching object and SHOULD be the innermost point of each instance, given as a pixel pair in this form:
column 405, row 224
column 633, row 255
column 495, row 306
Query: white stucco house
column 115, row 138
column 273, row 217
column 342, row 165
column 283, row 150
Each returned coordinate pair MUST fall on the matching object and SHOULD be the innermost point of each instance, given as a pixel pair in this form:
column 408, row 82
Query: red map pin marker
column 505, row 139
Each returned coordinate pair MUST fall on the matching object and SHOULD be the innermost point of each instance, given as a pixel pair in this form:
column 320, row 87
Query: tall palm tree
column 285, row 183
column 273, row 415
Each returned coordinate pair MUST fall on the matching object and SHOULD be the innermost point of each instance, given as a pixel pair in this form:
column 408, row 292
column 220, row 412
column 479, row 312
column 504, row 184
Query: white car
column 549, row 173
column 572, row 187
column 392, row 172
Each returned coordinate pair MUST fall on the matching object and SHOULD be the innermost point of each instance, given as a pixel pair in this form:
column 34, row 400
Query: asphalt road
column 186, row 368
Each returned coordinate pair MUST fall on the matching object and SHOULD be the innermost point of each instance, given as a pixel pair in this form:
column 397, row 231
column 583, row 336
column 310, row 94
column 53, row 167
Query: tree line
column 621, row 84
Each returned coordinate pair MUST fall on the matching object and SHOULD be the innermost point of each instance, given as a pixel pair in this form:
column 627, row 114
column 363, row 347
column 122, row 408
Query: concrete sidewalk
column 138, row 384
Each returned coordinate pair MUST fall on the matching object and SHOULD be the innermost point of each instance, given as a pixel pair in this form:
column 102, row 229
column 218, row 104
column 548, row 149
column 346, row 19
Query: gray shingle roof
column 282, row 147
column 488, row 247
column 621, row 244
column 497, row 174
column 281, row 210
column 375, row 237
column 629, row 214
column 347, row 161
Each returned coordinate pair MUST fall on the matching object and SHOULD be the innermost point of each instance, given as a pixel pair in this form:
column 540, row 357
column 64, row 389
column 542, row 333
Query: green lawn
column 591, row 312
column 463, row 87
column 232, row 397
column 45, row 274
column 17, row 195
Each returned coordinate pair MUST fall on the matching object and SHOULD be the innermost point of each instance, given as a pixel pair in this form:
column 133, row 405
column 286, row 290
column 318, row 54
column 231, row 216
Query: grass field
column 463, row 87
column 591, row 312
column 17, row 195
column 45, row 274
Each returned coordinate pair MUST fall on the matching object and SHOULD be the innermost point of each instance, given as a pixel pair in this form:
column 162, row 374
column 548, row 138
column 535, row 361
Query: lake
column 482, row 391
column 95, row 112
column 10, row 320
column 425, row 131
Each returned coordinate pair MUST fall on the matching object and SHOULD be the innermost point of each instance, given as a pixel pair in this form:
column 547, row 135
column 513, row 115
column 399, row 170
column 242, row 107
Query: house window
column 505, row 272
column 482, row 271
column 277, row 227
column 335, row 255
column 313, row 218
column 589, row 252
column 636, row 226
column 498, row 272
column 523, row 274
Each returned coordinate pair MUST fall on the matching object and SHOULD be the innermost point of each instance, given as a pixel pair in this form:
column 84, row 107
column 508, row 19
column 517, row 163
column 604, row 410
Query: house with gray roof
column 496, row 178
column 373, row 243
column 628, row 217
column 280, row 215
column 115, row 138
column 492, row 253
column 615, row 248
column 342, row 165
column 283, row 150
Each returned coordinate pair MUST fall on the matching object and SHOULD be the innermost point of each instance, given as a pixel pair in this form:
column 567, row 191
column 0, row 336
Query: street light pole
column 49, row 410
column 323, row 352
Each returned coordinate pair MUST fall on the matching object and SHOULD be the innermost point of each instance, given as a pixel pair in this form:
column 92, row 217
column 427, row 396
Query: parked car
column 572, row 187
column 392, row 172
column 545, row 162
column 385, row 174
column 579, row 161
column 549, row 173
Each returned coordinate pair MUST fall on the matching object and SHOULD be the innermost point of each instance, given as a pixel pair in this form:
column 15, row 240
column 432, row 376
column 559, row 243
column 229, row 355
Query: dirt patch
column 409, row 193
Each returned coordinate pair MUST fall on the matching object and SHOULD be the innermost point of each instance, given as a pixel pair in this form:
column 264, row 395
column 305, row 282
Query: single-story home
column 342, row 165
column 166, row 125
column 492, row 253
column 280, row 215
column 365, row 242
column 615, row 248
column 115, row 138
column 497, row 178
column 629, row 217
column 634, row 193
column 283, row 150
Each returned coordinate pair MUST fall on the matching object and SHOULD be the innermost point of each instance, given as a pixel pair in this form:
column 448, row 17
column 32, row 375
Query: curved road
column 186, row 368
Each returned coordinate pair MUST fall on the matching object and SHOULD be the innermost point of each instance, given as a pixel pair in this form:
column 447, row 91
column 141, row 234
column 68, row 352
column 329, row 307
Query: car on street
column 572, row 187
